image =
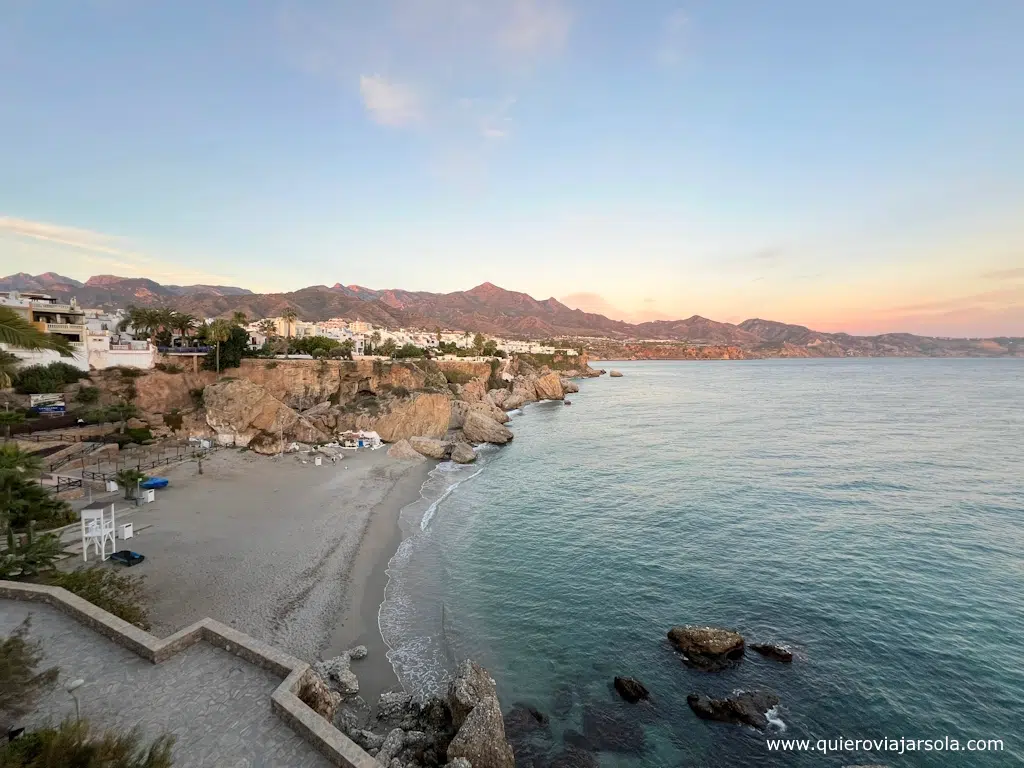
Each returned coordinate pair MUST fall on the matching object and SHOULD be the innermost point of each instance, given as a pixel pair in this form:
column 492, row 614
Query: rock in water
column 630, row 689
column 569, row 386
column 616, row 374
column 611, row 732
column 549, row 387
column 463, row 453
column 403, row 450
column 316, row 695
column 479, row 428
column 708, row 648
column 523, row 719
column 431, row 447
column 746, row 708
column 574, row 758
column 776, row 652
column 563, row 701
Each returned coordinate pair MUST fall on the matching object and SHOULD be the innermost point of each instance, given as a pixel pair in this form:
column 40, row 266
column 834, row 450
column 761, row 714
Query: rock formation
column 336, row 673
column 746, row 708
column 479, row 428
column 707, row 648
column 549, row 387
column 630, row 689
column 569, row 386
column 473, row 700
column 244, row 413
column 486, row 406
column 431, row 447
column 463, row 453
column 464, row 729
column 403, row 450
column 776, row 652
column 316, row 695
column 615, row 374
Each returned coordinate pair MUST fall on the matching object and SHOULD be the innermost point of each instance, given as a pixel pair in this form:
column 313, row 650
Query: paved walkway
column 216, row 704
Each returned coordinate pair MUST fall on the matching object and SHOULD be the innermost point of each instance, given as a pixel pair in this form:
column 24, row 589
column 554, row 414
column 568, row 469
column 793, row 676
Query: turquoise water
column 866, row 513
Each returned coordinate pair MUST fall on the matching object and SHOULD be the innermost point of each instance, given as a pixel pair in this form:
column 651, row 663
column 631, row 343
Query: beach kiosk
column 98, row 529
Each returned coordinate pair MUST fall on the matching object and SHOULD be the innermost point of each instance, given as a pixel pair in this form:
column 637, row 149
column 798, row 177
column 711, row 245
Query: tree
column 130, row 477
column 28, row 555
column 21, row 684
column 22, row 498
column 388, row 348
column 16, row 331
column 123, row 411
column 238, row 317
column 218, row 332
column 478, row 343
column 490, row 348
column 267, row 327
column 8, row 419
column 346, row 348
column 437, row 333
column 8, row 367
column 229, row 351
column 289, row 316
column 183, row 322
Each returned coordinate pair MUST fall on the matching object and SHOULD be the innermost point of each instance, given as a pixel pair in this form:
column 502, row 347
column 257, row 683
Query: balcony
column 64, row 328
column 77, row 344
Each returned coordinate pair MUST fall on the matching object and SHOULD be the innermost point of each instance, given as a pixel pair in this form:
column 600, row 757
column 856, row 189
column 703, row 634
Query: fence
column 107, row 470
column 59, row 483
column 85, row 434
column 84, row 449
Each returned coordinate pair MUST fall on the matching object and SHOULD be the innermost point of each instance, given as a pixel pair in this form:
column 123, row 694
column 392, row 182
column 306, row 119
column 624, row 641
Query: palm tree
column 15, row 461
column 289, row 316
column 217, row 332
column 8, row 366
column 8, row 419
column 184, row 322
column 239, row 317
column 267, row 327
column 16, row 331
column 130, row 477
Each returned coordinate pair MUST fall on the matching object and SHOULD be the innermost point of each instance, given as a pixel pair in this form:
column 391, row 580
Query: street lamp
column 72, row 688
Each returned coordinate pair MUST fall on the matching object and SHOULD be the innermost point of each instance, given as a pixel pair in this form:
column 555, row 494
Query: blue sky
column 844, row 165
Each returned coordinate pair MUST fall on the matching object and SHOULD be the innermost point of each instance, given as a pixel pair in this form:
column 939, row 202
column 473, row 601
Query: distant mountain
column 490, row 309
column 111, row 291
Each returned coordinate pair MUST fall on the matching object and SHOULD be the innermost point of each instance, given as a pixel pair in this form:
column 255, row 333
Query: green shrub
column 168, row 367
column 139, row 434
column 71, row 745
column 271, row 365
column 400, row 391
column 88, row 395
column 113, row 591
column 129, row 373
column 20, row 683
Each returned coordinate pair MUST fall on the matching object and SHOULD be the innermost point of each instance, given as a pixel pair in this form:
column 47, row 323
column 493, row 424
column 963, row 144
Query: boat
column 154, row 482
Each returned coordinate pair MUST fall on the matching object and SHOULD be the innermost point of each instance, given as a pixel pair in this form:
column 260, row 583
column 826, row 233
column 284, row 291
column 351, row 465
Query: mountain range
column 493, row 310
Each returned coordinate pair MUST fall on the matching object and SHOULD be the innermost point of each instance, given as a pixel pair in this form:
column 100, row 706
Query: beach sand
column 290, row 553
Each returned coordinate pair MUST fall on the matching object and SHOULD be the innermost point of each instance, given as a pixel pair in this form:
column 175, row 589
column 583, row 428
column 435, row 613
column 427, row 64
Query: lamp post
column 72, row 688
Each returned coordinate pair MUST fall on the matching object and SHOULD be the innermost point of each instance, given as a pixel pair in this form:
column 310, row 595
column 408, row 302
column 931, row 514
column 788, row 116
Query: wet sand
column 290, row 553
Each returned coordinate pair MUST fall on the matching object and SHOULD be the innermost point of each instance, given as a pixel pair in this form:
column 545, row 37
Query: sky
column 846, row 166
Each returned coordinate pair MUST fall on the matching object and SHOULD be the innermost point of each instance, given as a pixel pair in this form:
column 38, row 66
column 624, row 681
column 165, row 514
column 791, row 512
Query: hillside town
column 133, row 338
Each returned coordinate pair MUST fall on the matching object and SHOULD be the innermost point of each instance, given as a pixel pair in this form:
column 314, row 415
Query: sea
column 865, row 513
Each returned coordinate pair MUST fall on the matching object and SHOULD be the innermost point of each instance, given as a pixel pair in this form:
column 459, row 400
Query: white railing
column 65, row 328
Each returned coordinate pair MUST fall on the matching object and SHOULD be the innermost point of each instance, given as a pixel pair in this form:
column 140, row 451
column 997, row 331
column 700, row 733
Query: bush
column 271, row 365
column 88, row 395
column 139, row 435
column 43, row 379
column 197, row 396
column 168, row 367
column 129, row 373
column 20, row 683
column 115, row 592
column 72, row 745
column 400, row 391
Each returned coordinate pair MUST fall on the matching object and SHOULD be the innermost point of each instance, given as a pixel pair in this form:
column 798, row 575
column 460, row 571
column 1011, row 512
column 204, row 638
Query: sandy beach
column 291, row 553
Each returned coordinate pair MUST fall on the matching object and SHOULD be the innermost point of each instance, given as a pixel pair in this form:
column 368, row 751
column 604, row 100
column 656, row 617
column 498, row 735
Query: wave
column 411, row 617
